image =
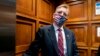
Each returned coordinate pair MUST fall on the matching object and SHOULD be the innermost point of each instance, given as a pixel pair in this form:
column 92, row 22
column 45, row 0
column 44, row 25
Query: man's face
column 60, row 12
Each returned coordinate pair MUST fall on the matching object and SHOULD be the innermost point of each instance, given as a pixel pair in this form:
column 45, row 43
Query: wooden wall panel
column 26, row 7
column 83, row 52
column 44, row 10
column 32, row 14
column 25, row 33
column 95, row 17
column 95, row 38
column 80, row 32
column 93, row 52
column 86, row 33
column 41, row 24
column 78, row 11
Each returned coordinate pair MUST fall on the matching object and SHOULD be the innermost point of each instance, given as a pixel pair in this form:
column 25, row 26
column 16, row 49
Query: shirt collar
column 56, row 28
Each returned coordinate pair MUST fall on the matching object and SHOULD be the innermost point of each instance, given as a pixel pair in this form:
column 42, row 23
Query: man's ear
column 53, row 15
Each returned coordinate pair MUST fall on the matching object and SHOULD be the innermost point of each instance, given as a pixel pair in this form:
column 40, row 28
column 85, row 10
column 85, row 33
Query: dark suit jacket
column 46, row 40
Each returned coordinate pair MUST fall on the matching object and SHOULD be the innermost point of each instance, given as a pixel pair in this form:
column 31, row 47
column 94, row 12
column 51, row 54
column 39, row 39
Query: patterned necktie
column 60, row 43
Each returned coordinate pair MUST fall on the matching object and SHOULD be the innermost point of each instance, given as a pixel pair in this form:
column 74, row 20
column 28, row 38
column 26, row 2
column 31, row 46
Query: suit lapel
column 52, row 35
column 68, row 45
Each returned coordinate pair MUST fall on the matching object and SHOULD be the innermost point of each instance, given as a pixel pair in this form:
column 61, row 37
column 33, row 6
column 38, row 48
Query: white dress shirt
column 63, row 34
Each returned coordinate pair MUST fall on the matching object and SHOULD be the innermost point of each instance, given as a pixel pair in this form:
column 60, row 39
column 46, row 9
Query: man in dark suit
column 54, row 40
